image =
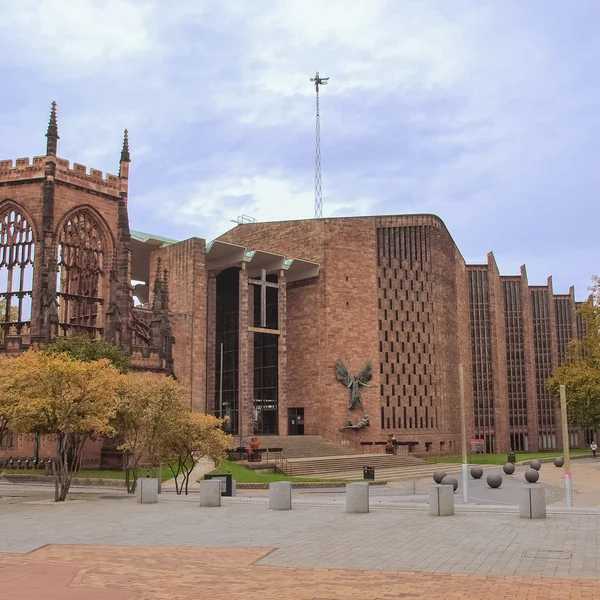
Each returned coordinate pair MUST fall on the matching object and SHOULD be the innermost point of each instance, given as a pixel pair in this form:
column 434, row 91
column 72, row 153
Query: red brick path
column 152, row 573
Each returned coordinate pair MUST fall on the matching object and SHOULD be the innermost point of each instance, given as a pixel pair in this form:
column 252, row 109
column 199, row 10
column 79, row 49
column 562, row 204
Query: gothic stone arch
column 85, row 257
column 17, row 250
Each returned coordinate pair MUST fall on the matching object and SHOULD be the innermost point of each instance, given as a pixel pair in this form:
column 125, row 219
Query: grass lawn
column 500, row 459
column 243, row 475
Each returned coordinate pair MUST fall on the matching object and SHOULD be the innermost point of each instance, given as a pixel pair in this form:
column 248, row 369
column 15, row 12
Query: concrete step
column 398, row 473
column 305, row 446
column 347, row 464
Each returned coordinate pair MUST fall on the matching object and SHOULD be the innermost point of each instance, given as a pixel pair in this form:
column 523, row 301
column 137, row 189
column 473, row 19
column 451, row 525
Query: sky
column 482, row 112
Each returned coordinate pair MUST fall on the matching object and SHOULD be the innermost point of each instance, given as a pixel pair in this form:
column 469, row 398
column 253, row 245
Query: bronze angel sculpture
column 354, row 383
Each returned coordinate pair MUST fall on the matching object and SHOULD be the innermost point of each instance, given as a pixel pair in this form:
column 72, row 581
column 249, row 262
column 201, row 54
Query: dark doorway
column 295, row 421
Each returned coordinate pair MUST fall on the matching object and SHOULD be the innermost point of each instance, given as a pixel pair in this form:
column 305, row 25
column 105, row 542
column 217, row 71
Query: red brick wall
column 188, row 285
column 337, row 316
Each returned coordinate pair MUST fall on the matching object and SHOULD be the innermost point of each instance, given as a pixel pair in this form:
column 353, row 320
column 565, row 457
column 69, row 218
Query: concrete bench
column 280, row 495
column 210, row 492
column 532, row 501
column 441, row 500
column 357, row 497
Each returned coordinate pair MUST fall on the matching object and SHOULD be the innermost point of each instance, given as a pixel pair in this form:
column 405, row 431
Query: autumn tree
column 149, row 405
column 84, row 348
column 64, row 397
column 8, row 403
column 580, row 373
column 192, row 437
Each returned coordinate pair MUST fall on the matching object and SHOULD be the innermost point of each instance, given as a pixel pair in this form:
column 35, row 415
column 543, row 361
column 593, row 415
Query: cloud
column 481, row 112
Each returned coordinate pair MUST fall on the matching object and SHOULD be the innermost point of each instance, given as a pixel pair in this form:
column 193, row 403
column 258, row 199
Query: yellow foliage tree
column 8, row 403
column 59, row 395
column 580, row 373
column 191, row 438
column 148, row 407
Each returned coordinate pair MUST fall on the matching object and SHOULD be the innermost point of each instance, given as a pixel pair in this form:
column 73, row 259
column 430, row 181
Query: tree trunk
column 68, row 462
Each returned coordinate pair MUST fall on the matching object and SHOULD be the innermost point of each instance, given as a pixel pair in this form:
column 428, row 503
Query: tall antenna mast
column 318, row 192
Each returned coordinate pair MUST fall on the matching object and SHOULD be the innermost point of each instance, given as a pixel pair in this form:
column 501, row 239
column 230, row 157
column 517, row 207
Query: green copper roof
column 144, row 237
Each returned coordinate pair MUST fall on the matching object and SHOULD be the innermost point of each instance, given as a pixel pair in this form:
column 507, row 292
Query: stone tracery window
column 81, row 275
column 17, row 247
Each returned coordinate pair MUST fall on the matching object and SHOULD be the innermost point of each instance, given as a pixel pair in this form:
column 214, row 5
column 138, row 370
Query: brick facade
column 393, row 290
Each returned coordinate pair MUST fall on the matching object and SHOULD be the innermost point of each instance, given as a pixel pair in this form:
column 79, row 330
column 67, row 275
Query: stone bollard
column 233, row 487
column 210, row 492
column 441, row 500
column 357, row 497
column 146, row 490
column 532, row 502
column 410, row 487
column 280, row 495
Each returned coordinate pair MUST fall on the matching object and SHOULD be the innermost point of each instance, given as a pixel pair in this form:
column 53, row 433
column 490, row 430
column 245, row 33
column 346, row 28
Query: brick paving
column 143, row 573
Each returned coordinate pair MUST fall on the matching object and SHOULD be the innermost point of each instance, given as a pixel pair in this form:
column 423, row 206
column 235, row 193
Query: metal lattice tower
column 318, row 192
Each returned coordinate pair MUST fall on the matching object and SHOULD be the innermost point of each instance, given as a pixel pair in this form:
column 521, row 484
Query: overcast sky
column 485, row 113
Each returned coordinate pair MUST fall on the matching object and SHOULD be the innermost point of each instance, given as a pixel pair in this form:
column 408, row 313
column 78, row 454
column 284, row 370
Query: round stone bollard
column 536, row 464
column 559, row 461
column 531, row 475
column 494, row 480
column 280, row 495
column 450, row 481
column 438, row 476
column 509, row 468
column 476, row 472
column 357, row 497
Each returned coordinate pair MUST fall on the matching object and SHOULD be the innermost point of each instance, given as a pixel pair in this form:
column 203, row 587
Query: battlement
column 24, row 168
column 80, row 173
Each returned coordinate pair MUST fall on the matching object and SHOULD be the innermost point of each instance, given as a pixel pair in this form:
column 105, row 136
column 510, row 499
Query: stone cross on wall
column 264, row 284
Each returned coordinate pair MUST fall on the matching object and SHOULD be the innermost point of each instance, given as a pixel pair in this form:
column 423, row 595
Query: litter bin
column 512, row 458
column 369, row 473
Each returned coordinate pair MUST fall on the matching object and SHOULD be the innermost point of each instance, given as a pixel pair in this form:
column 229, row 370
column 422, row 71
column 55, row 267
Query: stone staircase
column 304, row 446
column 342, row 465
column 387, row 467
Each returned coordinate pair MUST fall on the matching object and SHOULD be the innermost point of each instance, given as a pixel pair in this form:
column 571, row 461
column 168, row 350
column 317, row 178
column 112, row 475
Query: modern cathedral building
column 256, row 322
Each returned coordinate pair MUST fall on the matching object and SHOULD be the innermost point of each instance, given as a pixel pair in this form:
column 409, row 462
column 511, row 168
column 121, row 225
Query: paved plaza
column 102, row 544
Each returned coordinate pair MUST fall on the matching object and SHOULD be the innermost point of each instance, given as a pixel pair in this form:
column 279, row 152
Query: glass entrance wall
column 227, row 339
column 266, row 359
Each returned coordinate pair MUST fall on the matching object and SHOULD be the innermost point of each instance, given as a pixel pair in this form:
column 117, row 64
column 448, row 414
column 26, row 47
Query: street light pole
column 463, row 434
column 565, row 437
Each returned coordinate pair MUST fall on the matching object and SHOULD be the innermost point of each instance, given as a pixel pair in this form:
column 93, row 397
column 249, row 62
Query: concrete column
column 357, row 497
column 210, row 492
column 282, row 354
column 211, row 343
column 532, row 501
column 246, row 375
column 280, row 495
column 441, row 500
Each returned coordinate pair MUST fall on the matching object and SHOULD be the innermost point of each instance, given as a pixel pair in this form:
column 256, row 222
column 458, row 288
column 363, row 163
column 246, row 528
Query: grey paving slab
column 483, row 541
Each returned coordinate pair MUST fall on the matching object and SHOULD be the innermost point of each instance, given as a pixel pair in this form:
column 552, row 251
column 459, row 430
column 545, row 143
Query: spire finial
column 52, row 133
column 125, row 151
